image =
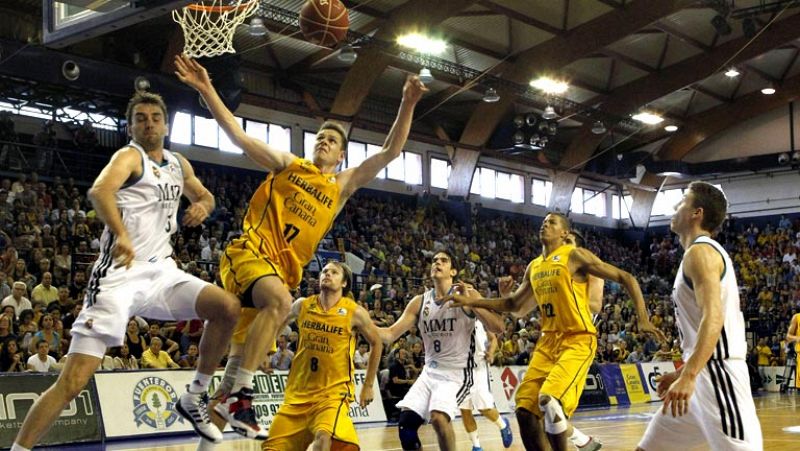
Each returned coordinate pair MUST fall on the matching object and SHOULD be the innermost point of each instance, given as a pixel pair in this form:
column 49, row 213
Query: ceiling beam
column 669, row 29
column 611, row 3
column 628, row 60
column 711, row 94
column 518, row 16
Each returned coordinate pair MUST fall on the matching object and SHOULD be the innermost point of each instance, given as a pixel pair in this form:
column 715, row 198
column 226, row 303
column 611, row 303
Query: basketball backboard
column 66, row 22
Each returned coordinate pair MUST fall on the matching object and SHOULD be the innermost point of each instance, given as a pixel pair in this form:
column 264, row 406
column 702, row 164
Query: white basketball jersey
column 447, row 333
column 731, row 343
column 148, row 207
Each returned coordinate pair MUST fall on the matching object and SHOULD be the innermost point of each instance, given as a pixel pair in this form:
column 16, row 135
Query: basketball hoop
column 208, row 26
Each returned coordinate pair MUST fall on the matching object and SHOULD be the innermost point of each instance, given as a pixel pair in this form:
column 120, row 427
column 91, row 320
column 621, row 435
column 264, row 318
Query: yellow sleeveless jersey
column 797, row 344
column 288, row 216
column 323, row 368
column 563, row 302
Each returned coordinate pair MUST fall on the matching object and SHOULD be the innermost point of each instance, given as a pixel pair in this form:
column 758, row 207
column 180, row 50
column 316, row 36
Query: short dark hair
column 564, row 219
column 330, row 125
column 147, row 98
column 453, row 262
column 580, row 241
column 712, row 201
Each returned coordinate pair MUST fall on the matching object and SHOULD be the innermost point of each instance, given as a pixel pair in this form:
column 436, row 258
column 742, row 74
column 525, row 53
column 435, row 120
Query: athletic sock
column 578, row 438
column 244, row 379
column 205, row 445
column 16, row 447
column 500, row 423
column 200, row 383
column 473, row 436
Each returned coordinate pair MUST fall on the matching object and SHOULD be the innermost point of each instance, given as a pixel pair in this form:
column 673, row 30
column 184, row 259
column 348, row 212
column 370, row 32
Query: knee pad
column 409, row 424
column 555, row 422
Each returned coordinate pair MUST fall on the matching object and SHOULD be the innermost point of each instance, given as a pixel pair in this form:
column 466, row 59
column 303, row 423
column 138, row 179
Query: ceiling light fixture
column 598, row 128
column 425, row 75
column 347, row 54
column 768, row 91
column 257, row 27
column 648, row 118
column 671, row 128
column 550, row 86
column 422, row 43
column 732, row 73
column 549, row 113
column 491, row 96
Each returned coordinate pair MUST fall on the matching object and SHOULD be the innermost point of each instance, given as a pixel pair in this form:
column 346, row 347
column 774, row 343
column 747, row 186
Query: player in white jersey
column 137, row 196
column 449, row 340
column 480, row 394
column 708, row 399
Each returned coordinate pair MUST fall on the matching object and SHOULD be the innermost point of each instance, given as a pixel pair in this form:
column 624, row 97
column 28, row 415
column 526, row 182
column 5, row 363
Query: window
column 594, row 203
column 517, row 184
column 225, row 143
column 615, row 200
column 665, row 202
column 540, row 192
column 576, row 204
column 181, row 130
column 206, row 132
column 440, row 173
column 356, row 153
column 280, row 137
column 257, row 130
column 309, row 139
column 373, row 150
column 396, row 168
column 627, row 206
column 413, row 167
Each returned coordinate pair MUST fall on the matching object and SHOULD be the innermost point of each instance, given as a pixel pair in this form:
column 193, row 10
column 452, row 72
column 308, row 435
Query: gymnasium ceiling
column 619, row 57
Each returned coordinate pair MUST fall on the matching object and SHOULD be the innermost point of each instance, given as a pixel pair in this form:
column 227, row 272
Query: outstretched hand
column 191, row 72
column 414, row 89
column 645, row 326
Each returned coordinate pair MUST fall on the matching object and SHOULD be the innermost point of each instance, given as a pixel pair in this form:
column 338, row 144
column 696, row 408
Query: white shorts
column 437, row 389
column 480, row 395
column 153, row 290
column 721, row 414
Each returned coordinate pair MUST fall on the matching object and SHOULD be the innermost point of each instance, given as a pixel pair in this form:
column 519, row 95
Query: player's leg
column 44, row 412
column 471, row 426
column 529, row 416
column 415, row 407
column 443, row 427
column 483, row 400
column 408, row 425
column 290, row 429
column 332, row 426
column 531, row 430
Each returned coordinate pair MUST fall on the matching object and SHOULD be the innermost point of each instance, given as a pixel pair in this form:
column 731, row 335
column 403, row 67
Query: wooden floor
column 617, row 428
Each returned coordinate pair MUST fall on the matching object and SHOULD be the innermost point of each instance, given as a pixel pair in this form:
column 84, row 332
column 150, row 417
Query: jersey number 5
column 290, row 232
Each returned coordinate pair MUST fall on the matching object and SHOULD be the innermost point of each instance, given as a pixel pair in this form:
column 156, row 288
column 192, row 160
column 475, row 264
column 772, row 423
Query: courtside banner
column 142, row 402
column 773, row 377
column 594, row 394
column 650, row 371
column 504, row 383
column 614, row 384
column 79, row 422
column 633, row 383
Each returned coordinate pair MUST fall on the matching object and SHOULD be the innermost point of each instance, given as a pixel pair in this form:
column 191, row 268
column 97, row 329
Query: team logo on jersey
column 426, row 311
column 341, row 312
column 154, row 402
column 557, row 258
column 156, row 172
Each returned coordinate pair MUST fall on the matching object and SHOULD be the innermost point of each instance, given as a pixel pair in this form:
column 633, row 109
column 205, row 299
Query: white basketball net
column 209, row 26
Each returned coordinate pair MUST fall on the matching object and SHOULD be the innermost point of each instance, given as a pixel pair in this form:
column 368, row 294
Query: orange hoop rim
column 219, row 9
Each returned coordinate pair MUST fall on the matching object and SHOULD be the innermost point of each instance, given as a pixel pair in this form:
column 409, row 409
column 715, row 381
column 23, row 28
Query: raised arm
column 521, row 301
column 369, row 331
column 792, row 335
column 202, row 199
column 352, row 179
column 596, row 286
column 193, row 74
column 125, row 163
column 583, row 260
column 703, row 265
column 390, row 334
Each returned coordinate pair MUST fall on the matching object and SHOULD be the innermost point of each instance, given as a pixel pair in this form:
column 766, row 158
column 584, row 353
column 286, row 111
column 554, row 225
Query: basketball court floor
column 619, row 428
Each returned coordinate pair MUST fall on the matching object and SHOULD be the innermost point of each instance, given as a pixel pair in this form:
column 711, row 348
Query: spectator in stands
column 189, row 360
column 361, row 356
column 5, row 288
column 7, row 328
column 400, row 380
column 45, row 141
column 63, row 300
column 154, row 331
column 47, row 333
column 293, row 337
column 123, row 360
column 11, row 359
column 45, row 292
column 69, row 318
column 134, row 339
column 78, row 285
column 282, row 359
column 63, row 264
column 637, row 356
column 17, row 298
column 764, row 352
column 154, row 357
column 42, row 361
column 412, row 337
column 211, row 251
column 84, row 137
column 20, row 273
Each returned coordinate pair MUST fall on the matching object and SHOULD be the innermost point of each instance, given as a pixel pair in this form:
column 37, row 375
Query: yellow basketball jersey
column 796, row 344
column 563, row 302
column 323, row 365
column 288, row 216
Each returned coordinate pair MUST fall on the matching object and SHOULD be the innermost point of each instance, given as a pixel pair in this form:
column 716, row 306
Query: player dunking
column 448, row 336
column 480, row 394
column 137, row 197
column 288, row 216
column 708, row 400
column 556, row 282
column 320, row 386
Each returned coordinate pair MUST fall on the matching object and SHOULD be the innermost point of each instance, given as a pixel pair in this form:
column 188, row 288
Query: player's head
column 443, row 266
column 147, row 119
column 330, row 145
column 703, row 206
column 336, row 276
column 555, row 228
column 575, row 238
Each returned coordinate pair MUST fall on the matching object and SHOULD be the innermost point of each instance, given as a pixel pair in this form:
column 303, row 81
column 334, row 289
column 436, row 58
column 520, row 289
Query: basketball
column 324, row 22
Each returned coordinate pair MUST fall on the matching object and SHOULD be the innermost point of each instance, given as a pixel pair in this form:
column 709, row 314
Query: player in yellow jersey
column 793, row 336
column 288, row 216
column 556, row 283
column 320, row 386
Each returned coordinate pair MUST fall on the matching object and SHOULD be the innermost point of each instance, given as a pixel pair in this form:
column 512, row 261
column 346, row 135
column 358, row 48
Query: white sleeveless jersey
column 731, row 343
column 481, row 342
column 149, row 206
column 447, row 333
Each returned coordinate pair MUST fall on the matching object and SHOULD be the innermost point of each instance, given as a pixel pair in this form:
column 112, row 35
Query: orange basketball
column 324, row 22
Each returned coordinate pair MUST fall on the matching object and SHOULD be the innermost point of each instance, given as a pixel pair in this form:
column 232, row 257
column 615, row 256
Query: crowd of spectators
column 49, row 237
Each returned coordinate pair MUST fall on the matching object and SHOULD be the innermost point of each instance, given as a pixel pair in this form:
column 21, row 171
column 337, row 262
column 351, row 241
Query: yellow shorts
column 295, row 426
column 558, row 368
